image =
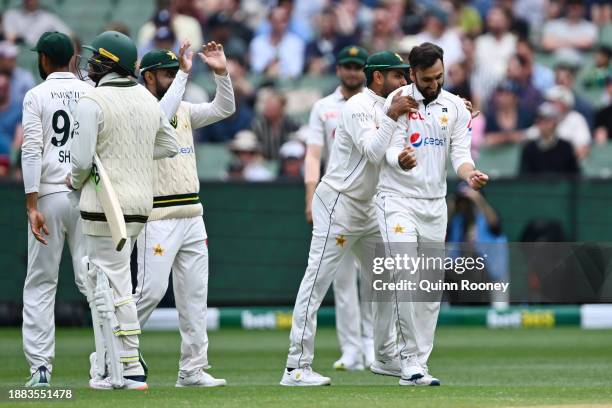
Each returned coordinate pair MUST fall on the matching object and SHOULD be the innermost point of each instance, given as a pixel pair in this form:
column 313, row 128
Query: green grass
column 478, row 368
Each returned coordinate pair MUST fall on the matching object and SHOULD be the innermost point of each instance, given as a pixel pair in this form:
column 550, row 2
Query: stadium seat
column 500, row 161
column 212, row 160
column 599, row 161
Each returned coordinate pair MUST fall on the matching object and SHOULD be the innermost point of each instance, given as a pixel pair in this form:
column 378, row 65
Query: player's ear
column 148, row 77
column 412, row 75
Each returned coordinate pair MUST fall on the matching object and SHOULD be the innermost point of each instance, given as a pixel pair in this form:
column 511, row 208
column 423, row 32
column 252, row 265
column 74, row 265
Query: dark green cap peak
column 58, row 46
column 158, row 59
column 385, row 60
column 352, row 53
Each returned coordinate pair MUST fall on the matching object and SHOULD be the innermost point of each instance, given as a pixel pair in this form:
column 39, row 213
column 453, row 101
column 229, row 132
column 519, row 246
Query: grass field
column 478, row 368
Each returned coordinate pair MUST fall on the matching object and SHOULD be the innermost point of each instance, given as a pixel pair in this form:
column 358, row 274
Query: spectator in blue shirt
column 11, row 132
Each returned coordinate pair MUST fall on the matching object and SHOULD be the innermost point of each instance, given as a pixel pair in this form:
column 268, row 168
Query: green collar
column 120, row 84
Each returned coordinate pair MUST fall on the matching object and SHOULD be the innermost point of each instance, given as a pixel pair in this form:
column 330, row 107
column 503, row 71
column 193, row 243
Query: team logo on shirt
column 415, row 139
column 174, row 121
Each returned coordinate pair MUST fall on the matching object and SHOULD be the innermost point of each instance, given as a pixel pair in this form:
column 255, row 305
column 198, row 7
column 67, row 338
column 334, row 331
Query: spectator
column 520, row 73
column 603, row 119
column 382, row 35
column 11, row 132
column 507, row 120
column 572, row 31
column 596, row 75
column 300, row 14
column 272, row 127
column 459, row 81
column 279, row 53
column 542, row 77
column 321, row 52
column 247, row 154
column 436, row 31
column 571, row 127
column 565, row 75
column 353, row 17
column 225, row 130
column 548, row 153
column 29, row 22
column 292, row 161
column 493, row 51
column 475, row 225
column 601, row 12
column 467, row 17
column 185, row 27
column 411, row 19
column 21, row 79
column 221, row 30
column 518, row 25
column 533, row 12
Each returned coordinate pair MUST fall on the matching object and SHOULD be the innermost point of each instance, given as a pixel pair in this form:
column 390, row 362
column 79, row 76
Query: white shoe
column 349, row 362
column 301, row 377
column 40, row 378
column 411, row 369
column 426, row 381
column 199, row 379
column 368, row 351
column 391, row 368
column 128, row 384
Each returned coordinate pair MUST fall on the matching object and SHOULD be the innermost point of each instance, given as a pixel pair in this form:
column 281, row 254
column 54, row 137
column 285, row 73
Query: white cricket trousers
column 412, row 220
column 179, row 245
column 340, row 224
column 116, row 266
column 353, row 311
column 63, row 222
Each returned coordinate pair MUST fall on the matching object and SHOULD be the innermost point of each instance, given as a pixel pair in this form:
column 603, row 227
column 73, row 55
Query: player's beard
column 41, row 71
column 428, row 94
column 351, row 86
column 160, row 90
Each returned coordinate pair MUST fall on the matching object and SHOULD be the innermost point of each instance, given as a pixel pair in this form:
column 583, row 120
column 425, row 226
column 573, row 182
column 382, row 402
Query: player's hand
column 185, row 57
column 470, row 107
column 401, row 105
column 407, row 158
column 308, row 213
column 212, row 55
column 477, row 179
column 38, row 226
column 68, row 182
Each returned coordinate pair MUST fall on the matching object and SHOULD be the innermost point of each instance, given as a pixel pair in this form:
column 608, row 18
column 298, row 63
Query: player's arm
column 399, row 155
column 174, row 95
column 166, row 144
column 90, row 118
column 312, row 162
column 223, row 105
column 460, row 155
column 371, row 141
column 31, row 164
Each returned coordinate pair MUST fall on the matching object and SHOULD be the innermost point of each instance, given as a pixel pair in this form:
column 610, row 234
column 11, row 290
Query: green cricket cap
column 352, row 53
column 158, row 59
column 56, row 45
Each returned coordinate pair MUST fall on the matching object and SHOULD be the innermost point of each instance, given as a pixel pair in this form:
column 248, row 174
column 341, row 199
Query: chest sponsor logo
column 416, row 140
column 186, row 150
column 416, row 116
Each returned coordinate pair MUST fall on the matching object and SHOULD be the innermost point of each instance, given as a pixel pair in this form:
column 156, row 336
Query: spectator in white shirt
column 436, row 31
column 28, row 23
column 572, row 125
column 279, row 53
column 493, row 51
column 572, row 31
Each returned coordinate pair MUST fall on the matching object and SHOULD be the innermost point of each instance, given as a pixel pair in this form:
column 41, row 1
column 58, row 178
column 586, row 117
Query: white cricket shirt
column 440, row 129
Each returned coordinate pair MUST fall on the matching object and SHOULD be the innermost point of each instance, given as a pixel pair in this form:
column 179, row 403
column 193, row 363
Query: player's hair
column 425, row 55
column 58, row 61
column 370, row 75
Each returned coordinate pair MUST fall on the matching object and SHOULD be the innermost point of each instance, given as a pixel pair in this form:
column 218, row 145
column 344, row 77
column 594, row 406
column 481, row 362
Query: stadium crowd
column 539, row 70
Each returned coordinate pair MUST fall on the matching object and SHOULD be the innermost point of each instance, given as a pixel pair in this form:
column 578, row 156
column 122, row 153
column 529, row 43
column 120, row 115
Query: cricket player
column 343, row 213
column 353, row 319
column 48, row 121
column 410, row 203
column 174, row 238
column 121, row 122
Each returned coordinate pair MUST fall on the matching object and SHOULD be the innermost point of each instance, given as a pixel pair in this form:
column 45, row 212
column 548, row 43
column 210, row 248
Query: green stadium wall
column 258, row 239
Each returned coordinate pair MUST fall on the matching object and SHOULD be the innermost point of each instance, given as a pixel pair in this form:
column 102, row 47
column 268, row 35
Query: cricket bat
column 110, row 203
